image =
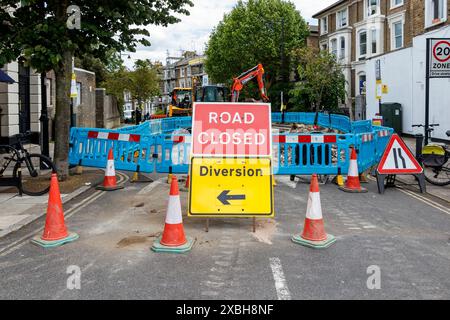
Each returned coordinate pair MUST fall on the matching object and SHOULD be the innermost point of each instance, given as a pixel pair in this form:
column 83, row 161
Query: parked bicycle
column 435, row 160
column 36, row 181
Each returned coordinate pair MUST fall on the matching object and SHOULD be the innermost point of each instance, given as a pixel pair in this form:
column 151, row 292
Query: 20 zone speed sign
column 440, row 58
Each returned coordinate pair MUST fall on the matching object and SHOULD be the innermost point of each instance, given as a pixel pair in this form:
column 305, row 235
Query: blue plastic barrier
column 173, row 153
column 133, row 153
column 297, row 155
column 152, row 147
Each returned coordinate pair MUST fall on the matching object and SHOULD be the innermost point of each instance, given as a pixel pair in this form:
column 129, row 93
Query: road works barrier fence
column 156, row 145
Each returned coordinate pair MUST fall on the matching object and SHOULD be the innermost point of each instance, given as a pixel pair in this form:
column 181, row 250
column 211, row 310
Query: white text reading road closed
column 214, row 137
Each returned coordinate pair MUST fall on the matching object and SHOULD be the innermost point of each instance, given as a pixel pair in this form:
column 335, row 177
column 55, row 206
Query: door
column 24, row 98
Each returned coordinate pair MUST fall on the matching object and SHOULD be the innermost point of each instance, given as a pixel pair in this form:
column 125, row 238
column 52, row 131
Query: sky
column 193, row 31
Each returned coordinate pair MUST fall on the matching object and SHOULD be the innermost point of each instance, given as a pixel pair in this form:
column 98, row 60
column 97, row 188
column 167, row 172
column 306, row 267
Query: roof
column 313, row 29
column 334, row 5
column 5, row 78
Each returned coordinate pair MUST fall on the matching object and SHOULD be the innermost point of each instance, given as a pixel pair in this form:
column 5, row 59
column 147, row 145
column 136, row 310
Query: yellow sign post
column 231, row 187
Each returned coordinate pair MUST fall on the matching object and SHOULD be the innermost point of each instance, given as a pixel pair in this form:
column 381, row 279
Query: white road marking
column 425, row 200
column 280, row 281
column 151, row 186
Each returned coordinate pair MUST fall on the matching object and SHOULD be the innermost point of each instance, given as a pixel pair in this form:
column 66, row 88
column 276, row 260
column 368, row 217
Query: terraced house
column 360, row 32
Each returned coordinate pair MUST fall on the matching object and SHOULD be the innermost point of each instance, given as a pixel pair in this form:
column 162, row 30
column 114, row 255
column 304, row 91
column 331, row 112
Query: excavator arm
column 239, row 82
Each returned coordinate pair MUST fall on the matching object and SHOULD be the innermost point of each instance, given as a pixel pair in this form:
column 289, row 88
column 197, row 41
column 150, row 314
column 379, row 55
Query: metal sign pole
column 427, row 92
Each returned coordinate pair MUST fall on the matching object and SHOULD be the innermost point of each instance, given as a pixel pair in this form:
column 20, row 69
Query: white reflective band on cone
column 174, row 211
column 314, row 209
column 353, row 170
column 110, row 171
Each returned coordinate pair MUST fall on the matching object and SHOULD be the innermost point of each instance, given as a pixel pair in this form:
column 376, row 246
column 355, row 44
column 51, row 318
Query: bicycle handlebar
column 430, row 125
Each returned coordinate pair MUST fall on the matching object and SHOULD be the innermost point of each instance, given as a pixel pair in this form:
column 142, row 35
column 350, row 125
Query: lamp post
column 45, row 148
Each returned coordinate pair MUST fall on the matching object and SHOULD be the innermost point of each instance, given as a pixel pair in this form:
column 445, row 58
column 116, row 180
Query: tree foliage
column 142, row 82
column 37, row 30
column 112, row 63
column 322, row 83
column 256, row 31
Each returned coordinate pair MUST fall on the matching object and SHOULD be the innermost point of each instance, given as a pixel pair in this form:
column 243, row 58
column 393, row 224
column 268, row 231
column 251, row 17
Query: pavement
column 404, row 235
column 435, row 191
column 18, row 211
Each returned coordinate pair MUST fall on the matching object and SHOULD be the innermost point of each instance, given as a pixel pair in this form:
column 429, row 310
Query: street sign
column 439, row 58
column 378, row 69
column 231, row 187
column 379, row 89
column 398, row 159
column 231, row 129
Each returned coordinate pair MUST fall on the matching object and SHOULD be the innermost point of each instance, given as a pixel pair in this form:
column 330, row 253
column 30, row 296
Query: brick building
column 180, row 72
column 359, row 32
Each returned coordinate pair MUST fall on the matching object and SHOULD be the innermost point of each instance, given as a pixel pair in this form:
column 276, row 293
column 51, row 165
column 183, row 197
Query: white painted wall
column 404, row 73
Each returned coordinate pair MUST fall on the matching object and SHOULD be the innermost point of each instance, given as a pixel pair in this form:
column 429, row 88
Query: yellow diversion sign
column 231, row 187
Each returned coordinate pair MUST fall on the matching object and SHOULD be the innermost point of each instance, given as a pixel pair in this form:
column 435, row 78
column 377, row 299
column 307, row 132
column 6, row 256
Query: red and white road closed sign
column 231, row 129
column 440, row 58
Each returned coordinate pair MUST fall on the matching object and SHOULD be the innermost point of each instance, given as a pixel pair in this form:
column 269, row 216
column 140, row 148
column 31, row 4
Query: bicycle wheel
column 439, row 176
column 36, row 184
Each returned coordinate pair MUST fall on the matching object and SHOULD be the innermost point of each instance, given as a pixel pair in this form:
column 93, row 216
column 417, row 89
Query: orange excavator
column 239, row 82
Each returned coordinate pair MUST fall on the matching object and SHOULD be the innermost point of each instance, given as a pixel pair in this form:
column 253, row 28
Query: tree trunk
column 63, row 76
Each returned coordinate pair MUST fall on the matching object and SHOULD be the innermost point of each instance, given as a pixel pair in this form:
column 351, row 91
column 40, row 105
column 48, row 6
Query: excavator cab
column 181, row 104
column 212, row 94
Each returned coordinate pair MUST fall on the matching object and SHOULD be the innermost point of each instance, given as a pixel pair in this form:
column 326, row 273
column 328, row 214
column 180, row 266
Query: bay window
column 342, row 48
column 373, row 41
column 334, row 47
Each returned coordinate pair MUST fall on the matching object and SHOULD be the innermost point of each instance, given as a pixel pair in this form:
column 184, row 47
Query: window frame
column 360, row 55
column 374, row 40
column 322, row 29
column 367, row 6
column 392, row 24
column 393, row 5
column 334, row 50
column 429, row 19
column 338, row 22
column 342, row 48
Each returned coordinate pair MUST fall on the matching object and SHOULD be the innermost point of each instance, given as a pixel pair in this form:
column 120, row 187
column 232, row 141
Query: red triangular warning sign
column 398, row 159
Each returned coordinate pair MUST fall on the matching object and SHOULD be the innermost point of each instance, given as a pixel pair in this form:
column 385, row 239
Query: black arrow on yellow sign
column 224, row 197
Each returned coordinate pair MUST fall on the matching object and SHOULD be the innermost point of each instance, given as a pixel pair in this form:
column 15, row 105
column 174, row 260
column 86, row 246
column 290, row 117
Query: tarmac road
column 406, row 238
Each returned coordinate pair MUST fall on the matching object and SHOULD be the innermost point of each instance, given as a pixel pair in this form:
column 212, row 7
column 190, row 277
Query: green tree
column 256, row 31
column 322, row 83
column 112, row 63
column 38, row 30
column 142, row 83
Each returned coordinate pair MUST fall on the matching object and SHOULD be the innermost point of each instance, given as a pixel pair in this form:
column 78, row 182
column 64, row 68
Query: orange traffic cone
column 55, row 231
column 314, row 235
column 173, row 239
column 188, row 181
column 353, row 184
column 185, row 188
column 110, row 181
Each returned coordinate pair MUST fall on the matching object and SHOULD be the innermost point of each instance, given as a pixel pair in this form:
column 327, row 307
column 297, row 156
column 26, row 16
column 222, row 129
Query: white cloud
column 193, row 31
